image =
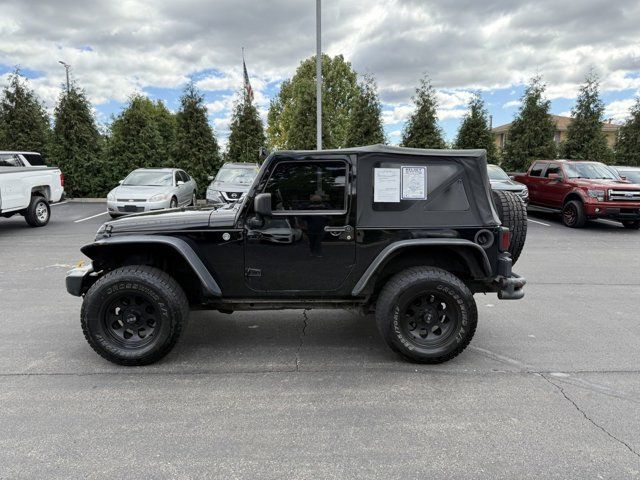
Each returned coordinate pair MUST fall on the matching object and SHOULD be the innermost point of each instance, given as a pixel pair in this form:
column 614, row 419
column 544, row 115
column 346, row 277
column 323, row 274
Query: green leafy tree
column 136, row 139
column 76, row 145
column 531, row 135
column 291, row 121
column 24, row 123
column 585, row 138
column 196, row 148
column 247, row 132
column 422, row 130
column 474, row 130
column 365, row 119
column 628, row 146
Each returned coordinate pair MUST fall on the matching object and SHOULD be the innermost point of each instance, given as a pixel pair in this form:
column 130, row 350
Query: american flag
column 247, row 84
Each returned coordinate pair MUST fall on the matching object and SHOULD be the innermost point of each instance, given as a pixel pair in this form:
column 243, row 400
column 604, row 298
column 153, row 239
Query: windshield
column 496, row 173
column 631, row 175
column 592, row 170
column 149, row 179
column 237, row 175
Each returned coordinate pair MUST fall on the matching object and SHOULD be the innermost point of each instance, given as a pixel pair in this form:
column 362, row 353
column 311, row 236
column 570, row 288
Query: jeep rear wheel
column 426, row 314
column 134, row 315
column 573, row 215
column 513, row 215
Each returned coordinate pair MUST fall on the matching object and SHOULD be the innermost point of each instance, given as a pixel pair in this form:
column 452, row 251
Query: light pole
column 66, row 67
column 318, row 79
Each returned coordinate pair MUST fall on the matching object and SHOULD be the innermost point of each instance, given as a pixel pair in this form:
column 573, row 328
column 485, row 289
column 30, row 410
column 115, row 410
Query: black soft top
column 458, row 188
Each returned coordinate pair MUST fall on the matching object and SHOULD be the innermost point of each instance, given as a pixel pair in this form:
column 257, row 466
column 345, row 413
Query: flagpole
column 318, row 78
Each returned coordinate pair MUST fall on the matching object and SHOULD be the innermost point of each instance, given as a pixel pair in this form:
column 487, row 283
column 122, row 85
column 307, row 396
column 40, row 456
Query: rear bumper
column 79, row 280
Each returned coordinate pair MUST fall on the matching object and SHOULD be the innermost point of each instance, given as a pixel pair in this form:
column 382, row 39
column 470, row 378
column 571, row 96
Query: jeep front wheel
column 426, row 314
column 134, row 315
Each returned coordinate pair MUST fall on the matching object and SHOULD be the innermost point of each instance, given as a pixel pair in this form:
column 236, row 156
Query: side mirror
column 262, row 204
column 512, row 177
column 555, row 176
column 622, row 177
column 179, row 183
column 210, row 178
column 120, row 182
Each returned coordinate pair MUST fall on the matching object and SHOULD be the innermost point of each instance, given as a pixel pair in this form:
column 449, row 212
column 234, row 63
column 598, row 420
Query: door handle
column 346, row 228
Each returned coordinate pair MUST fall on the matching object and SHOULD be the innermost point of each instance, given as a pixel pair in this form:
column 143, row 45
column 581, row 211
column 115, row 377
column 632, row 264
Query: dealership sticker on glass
column 386, row 185
column 414, row 183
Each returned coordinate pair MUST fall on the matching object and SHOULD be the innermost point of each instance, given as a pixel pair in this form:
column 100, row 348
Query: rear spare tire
column 426, row 314
column 513, row 215
column 134, row 315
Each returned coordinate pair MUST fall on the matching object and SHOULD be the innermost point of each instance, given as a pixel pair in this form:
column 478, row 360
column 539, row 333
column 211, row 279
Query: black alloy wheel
column 131, row 320
column 429, row 319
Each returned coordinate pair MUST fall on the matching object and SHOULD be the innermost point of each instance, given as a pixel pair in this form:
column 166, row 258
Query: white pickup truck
column 28, row 191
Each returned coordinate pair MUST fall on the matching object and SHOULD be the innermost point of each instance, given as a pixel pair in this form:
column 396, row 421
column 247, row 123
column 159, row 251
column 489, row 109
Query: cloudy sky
column 156, row 46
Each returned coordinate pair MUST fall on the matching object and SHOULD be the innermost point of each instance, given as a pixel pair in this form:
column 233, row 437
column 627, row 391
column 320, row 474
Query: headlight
column 597, row 194
column 213, row 194
column 159, row 197
column 111, row 197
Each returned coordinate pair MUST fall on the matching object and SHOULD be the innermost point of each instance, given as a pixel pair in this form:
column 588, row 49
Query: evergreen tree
column 422, row 130
column 196, row 148
column 292, row 116
column 474, row 131
column 24, row 123
column 365, row 119
column 136, row 140
column 585, row 138
column 247, row 132
column 76, row 144
column 532, row 131
column 628, row 146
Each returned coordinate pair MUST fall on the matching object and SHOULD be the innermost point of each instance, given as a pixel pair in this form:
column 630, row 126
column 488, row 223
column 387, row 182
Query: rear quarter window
column 34, row 159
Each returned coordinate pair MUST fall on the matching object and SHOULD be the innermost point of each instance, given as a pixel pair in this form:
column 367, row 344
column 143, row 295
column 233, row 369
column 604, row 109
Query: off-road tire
column 38, row 212
column 631, row 224
column 513, row 215
column 578, row 218
column 168, row 303
column 400, row 293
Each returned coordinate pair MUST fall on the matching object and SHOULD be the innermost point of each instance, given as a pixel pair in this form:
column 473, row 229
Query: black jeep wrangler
column 409, row 234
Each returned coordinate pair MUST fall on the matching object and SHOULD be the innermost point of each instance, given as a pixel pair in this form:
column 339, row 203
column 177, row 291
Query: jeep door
column 308, row 243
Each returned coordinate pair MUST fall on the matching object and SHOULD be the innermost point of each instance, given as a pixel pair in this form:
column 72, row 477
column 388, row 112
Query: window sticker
column 386, row 185
column 414, row 183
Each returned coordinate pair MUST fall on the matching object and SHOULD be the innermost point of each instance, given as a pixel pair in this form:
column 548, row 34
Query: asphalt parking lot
column 549, row 388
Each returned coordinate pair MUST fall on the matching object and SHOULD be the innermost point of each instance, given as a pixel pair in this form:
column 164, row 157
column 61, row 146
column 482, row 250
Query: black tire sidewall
column 104, row 293
column 388, row 315
column 580, row 218
column 32, row 218
column 173, row 203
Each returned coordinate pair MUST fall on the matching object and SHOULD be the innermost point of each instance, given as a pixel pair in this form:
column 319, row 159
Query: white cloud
column 618, row 110
column 512, row 104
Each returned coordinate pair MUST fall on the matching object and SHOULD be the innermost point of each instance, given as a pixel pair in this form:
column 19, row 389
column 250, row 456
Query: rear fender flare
column 391, row 250
column 209, row 285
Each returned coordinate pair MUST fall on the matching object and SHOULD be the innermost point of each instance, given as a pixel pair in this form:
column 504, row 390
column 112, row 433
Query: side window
column 10, row 160
column 537, row 169
column 34, row 159
column 308, row 186
column 185, row 177
column 553, row 168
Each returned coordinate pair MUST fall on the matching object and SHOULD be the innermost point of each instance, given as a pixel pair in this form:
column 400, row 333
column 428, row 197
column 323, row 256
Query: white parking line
column 539, row 223
column 59, row 203
column 89, row 218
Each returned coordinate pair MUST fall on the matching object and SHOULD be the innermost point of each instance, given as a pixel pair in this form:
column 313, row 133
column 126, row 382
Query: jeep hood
column 177, row 219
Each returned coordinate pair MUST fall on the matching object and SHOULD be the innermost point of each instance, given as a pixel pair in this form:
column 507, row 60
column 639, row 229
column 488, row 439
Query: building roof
column 561, row 123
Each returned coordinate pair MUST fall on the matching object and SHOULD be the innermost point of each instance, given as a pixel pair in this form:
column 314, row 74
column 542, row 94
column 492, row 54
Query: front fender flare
column 422, row 242
column 209, row 285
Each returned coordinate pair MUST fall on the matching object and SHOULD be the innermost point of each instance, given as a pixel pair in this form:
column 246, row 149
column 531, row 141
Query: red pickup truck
column 582, row 190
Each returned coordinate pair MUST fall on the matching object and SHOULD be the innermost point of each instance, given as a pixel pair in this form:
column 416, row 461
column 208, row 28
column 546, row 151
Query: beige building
column 609, row 129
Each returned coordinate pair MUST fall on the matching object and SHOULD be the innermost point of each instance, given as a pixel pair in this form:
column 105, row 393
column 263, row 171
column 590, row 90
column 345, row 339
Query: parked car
column 231, row 183
column 150, row 189
column 410, row 234
column 501, row 181
column 631, row 174
column 28, row 191
column 21, row 159
column 582, row 190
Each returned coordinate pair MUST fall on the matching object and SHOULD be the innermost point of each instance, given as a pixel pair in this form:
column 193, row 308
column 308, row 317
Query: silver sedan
column 148, row 189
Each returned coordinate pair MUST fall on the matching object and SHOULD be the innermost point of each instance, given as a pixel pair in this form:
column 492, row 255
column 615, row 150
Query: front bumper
column 126, row 208
column 79, row 280
column 613, row 210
